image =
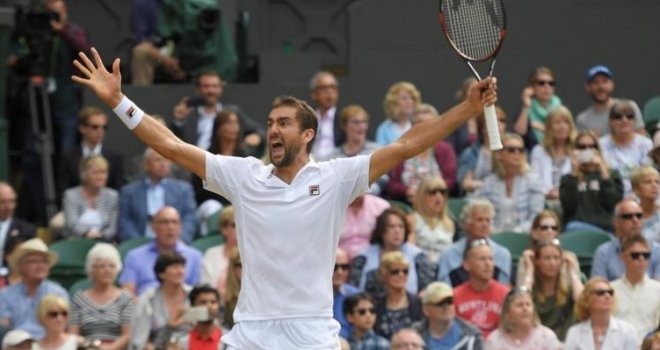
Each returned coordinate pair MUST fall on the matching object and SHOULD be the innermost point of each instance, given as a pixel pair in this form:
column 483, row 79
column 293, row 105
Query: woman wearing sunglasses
column 514, row 190
column 53, row 314
column 646, row 185
column 553, row 277
column 520, row 327
column 598, row 329
column 590, row 192
column 431, row 227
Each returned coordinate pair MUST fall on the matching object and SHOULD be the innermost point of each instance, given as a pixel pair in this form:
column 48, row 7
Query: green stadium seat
column 70, row 266
column 203, row 244
column 584, row 245
column 515, row 242
column 455, row 206
column 126, row 246
column 401, row 205
column 212, row 223
column 651, row 114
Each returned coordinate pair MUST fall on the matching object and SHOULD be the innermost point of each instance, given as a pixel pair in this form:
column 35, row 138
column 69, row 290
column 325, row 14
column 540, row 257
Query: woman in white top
column 91, row 209
column 645, row 183
column 431, row 227
column 551, row 159
column 598, row 329
column 216, row 259
column 53, row 314
column 520, row 327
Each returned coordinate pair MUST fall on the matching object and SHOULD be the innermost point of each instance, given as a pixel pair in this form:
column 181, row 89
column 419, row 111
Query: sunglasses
column 630, row 216
column 582, row 147
column 601, row 292
column 54, row 314
column 434, row 191
column 545, row 82
column 97, row 126
column 344, row 267
column 228, row 224
column 619, row 116
column 445, row 302
column 478, row 243
column 363, row 312
column 395, row 272
column 514, row 149
column 637, row 255
column 547, row 227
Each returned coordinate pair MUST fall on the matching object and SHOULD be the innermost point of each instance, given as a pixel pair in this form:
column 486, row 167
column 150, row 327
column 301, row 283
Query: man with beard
column 288, row 213
column 600, row 86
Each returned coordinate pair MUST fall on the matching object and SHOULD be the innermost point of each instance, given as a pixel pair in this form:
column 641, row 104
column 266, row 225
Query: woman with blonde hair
column 400, row 102
column 431, row 227
column 513, row 189
column 53, row 315
column 91, row 209
column 645, row 183
column 552, row 158
column 233, row 287
column 216, row 264
column 520, row 327
column 598, row 329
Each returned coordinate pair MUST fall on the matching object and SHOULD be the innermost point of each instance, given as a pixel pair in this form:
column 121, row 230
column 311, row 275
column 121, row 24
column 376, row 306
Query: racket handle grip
column 493, row 128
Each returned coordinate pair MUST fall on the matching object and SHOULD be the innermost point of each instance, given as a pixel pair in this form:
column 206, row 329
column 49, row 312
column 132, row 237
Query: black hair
column 166, row 260
column 351, row 301
column 202, row 289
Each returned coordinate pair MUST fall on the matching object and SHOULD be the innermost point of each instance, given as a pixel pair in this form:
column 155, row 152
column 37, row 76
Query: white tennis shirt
column 287, row 233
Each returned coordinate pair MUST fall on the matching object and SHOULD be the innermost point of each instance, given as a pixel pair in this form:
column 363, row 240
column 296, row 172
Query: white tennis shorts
column 284, row 334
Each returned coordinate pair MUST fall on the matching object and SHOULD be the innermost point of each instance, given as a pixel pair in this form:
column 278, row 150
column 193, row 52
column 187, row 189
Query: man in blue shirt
column 628, row 221
column 477, row 218
column 18, row 302
column 138, row 273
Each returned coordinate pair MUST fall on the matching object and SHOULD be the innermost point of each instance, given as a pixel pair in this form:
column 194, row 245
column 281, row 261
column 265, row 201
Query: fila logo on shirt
column 314, row 190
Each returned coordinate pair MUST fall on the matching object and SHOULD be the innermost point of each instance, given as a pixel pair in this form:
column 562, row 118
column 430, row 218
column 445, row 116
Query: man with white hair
column 407, row 339
column 324, row 91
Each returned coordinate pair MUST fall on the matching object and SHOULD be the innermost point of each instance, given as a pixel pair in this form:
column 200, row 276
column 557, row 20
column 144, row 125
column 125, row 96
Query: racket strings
column 474, row 26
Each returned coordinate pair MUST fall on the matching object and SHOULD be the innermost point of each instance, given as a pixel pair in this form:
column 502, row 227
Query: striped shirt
column 103, row 322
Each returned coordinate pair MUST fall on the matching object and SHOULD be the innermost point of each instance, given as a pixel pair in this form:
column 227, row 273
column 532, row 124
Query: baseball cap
column 599, row 69
column 436, row 292
column 15, row 337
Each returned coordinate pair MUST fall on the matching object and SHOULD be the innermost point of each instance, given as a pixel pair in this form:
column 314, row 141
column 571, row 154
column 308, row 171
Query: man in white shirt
column 324, row 90
column 288, row 213
column 637, row 295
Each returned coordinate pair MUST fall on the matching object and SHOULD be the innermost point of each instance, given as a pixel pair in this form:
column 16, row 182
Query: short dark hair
column 202, row 289
column 381, row 224
column 628, row 242
column 166, row 260
column 207, row 73
column 304, row 114
column 86, row 111
column 351, row 301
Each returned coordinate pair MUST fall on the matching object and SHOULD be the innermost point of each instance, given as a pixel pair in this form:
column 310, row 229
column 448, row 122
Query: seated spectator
column 53, row 315
column 341, row 290
column 476, row 217
column 390, row 234
column 551, row 159
column 645, row 183
column 638, row 300
column 12, row 230
column 92, row 126
column 90, row 209
column 103, row 312
column 407, row 339
column 205, row 334
column 158, row 317
column 625, row 149
column 361, row 315
column 627, row 223
column 439, row 160
column 398, row 308
column 18, row 302
column 354, row 123
column 514, row 190
column 520, row 327
column 431, row 227
column 589, row 193
column 598, row 328
column 440, row 328
column 216, row 259
column 553, row 277
column 138, row 274
column 401, row 100
column 233, row 287
column 141, row 199
column 538, row 99
column 475, row 163
column 359, row 223
column 17, row 340
column 652, row 342
column 479, row 300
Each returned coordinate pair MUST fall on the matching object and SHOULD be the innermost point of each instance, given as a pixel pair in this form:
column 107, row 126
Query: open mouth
column 276, row 149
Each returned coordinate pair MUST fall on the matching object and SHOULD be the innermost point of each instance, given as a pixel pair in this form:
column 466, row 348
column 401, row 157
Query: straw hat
column 34, row 245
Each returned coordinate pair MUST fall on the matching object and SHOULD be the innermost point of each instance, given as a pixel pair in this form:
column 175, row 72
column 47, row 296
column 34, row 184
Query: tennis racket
column 476, row 29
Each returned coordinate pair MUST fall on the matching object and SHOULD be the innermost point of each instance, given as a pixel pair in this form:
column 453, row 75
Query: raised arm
column 107, row 86
column 424, row 135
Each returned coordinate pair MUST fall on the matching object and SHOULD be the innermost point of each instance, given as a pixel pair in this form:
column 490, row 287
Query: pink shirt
column 541, row 338
column 482, row 309
column 358, row 225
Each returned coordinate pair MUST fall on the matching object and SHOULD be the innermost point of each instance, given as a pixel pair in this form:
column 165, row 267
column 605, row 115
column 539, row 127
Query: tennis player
column 288, row 213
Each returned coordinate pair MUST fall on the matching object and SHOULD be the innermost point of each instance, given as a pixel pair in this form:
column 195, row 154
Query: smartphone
column 197, row 314
column 585, row 156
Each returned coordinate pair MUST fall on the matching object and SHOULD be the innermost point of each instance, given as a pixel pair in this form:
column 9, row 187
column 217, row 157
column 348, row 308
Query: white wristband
column 129, row 113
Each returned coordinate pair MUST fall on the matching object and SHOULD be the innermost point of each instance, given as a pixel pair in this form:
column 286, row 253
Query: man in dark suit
column 325, row 94
column 11, row 229
column 92, row 123
column 141, row 199
column 194, row 117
